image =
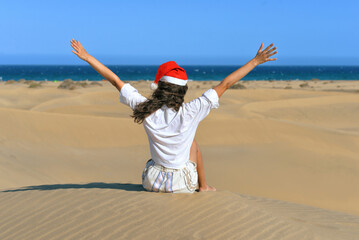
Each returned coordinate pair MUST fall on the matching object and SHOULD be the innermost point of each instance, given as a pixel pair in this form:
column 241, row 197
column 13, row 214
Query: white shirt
column 170, row 133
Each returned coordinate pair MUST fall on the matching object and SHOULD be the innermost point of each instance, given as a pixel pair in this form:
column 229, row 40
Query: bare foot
column 207, row 189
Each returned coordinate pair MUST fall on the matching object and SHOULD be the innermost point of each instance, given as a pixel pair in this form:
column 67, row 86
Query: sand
column 284, row 158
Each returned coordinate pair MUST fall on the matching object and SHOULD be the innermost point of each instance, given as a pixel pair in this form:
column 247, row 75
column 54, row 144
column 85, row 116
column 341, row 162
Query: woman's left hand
column 79, row 50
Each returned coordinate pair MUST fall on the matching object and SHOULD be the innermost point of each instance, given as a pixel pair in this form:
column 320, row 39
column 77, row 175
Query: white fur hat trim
column 177, row 81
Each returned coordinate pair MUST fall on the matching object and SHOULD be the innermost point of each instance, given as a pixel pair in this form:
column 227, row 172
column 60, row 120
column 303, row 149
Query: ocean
column 196, row 73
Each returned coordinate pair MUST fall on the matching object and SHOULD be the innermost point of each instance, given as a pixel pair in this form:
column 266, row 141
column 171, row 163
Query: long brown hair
column 168, row 94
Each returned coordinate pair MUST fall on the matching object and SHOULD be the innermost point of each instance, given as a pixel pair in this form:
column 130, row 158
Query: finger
column 260, row 48
column 79, row 44
column 75, row 47
column 271, row 50
column 271, row 59
column 75, row 53
column 75, row 50
column 272, row 54
column 268, row 47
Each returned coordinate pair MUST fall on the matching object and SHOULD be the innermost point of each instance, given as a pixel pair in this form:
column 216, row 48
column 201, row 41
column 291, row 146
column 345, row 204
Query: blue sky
column 190, row 32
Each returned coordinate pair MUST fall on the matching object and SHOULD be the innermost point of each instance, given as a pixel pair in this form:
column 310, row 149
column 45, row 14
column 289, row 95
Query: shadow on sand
column 121, row 186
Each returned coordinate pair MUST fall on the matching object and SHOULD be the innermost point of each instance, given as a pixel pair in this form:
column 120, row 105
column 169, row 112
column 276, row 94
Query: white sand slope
column 115, row 211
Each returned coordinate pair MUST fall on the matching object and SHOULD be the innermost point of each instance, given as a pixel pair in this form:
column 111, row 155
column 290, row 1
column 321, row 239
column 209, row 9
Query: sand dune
column 323, row 111
column 82, row 156
column 123, row 211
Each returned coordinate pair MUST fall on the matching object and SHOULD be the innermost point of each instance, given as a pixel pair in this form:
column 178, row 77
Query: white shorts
column 157, row 178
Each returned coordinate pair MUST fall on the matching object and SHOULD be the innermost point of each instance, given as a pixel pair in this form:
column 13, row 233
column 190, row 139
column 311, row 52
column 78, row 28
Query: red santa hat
column 170, row 72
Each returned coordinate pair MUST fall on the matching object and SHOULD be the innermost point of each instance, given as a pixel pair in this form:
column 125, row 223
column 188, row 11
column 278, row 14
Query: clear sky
column 191, row 32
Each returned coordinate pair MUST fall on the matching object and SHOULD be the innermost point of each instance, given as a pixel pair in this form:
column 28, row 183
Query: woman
column 176, row 165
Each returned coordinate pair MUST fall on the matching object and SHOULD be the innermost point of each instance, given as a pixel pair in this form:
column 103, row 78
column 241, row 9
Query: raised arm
column 99, row 67
column 261, row 57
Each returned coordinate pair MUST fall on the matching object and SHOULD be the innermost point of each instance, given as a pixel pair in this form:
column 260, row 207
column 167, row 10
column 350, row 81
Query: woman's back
column 171, row 133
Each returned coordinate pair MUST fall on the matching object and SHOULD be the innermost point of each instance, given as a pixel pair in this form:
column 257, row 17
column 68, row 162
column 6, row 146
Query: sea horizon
column 50, row 72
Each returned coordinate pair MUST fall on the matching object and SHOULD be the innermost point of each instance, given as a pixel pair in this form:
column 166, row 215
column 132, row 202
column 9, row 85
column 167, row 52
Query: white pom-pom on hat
column 153, row 86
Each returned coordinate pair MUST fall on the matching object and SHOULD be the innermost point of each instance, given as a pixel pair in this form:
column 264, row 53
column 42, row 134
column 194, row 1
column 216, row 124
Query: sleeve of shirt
column 200, row 107
column 130, row 96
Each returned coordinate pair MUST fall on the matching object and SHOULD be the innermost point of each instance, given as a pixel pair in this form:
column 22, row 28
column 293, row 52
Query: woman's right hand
column 264, row 55
column 79, row 50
